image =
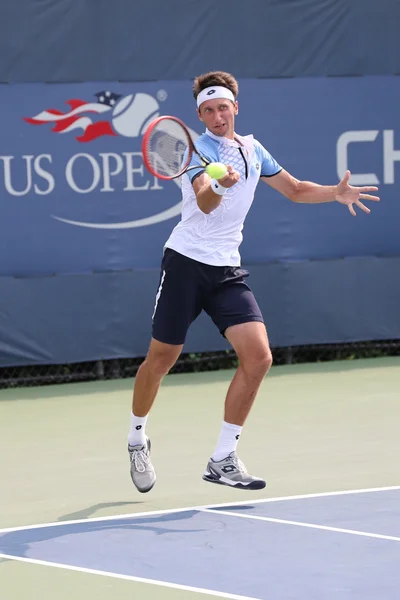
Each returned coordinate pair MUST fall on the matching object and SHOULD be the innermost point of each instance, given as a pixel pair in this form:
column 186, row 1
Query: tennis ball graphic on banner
column 133, row 113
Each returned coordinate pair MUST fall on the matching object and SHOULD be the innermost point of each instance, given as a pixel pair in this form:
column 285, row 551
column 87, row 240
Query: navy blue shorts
column 187, row 287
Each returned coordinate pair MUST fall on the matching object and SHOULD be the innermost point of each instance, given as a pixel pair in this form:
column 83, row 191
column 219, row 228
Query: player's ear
column 236, row 107
column 198, row 114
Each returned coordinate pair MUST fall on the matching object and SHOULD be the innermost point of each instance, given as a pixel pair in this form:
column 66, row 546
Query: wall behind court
column 94, row 40
column 83, row 224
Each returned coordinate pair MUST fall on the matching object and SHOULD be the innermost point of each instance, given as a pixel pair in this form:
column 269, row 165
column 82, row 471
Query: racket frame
column 191, row 149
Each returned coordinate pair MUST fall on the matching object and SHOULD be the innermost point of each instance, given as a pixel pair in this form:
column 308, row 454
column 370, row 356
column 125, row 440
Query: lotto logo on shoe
column 138, row 427
column 228, row 469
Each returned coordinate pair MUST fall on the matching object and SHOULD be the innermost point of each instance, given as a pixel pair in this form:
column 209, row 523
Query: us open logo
column 127, row 116
column 109, row 116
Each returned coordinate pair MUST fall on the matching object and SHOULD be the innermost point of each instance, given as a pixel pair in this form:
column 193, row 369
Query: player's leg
column 160, row 359
column 250, row 342
column 176, row 307
column 235, row 311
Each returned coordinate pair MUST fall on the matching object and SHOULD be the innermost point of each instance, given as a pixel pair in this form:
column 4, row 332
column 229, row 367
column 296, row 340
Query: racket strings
column 166, row 147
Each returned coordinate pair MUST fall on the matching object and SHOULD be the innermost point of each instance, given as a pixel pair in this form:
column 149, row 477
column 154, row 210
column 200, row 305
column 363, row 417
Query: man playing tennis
column 201, row 271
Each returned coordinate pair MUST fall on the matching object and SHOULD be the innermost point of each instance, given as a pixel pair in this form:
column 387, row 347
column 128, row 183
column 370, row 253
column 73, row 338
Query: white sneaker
column 142, row 471
column 231, row 471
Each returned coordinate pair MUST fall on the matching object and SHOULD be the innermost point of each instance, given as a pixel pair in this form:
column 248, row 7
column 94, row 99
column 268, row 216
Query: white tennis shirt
column 214, row 239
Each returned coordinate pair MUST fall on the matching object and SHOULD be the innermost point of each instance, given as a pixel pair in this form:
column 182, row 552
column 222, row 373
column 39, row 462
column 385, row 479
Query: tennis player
column 201, row 270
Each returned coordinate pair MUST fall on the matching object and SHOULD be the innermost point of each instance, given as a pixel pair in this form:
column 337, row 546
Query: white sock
column 227, row 441
column 137, row 434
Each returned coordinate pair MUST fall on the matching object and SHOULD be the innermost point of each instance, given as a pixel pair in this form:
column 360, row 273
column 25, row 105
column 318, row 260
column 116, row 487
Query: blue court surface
column 322, row 546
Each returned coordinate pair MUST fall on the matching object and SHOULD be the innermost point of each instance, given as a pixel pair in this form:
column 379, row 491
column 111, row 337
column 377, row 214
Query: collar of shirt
column 240, row 140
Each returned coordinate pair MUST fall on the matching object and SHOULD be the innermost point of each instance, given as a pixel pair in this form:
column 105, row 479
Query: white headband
column 216, row 91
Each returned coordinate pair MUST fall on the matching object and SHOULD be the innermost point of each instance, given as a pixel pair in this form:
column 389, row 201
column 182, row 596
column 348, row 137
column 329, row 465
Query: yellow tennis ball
column 216, row 170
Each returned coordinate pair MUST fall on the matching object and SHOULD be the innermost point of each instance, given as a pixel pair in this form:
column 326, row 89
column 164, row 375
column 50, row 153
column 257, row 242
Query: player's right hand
column 230, row 178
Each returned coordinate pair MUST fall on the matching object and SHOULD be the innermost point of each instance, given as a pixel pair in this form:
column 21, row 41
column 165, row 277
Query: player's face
column 218, row 115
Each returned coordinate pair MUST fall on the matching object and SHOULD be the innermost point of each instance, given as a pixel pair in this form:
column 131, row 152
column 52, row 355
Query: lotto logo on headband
column 219, row 91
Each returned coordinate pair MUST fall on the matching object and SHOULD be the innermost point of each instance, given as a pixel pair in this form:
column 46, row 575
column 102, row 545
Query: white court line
column 167, row 584
column 301, row 524
column 204, row 506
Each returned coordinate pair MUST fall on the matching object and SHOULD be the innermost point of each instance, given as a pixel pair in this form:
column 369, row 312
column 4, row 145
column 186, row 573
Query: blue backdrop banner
column 76, row 198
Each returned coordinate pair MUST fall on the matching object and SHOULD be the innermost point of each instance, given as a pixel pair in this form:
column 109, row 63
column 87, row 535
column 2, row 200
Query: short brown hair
column 215, row 78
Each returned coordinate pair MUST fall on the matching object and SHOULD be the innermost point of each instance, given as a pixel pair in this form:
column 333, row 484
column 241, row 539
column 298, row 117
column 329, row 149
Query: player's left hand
column 349, row 195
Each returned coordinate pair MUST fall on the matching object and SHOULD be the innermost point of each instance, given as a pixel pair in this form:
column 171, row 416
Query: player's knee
column 259, row 362
column 161, row 363
column 268, row 360
column 265, row 360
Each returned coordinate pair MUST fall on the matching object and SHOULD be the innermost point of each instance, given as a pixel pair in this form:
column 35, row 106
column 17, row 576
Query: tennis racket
column 168, row 148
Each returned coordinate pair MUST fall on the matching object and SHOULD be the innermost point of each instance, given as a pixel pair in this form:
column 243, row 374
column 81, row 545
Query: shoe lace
column 238, row 463
column 141, row 460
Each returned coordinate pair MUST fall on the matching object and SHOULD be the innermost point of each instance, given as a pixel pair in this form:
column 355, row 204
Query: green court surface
column 314, row 428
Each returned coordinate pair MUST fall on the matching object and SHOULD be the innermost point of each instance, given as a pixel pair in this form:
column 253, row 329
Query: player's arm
column 301, row 191
column 309, row 192
column 209, row 192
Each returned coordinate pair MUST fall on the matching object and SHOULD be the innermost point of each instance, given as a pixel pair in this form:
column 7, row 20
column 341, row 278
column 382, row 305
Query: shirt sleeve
column 206, row 151
column 269, row 166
